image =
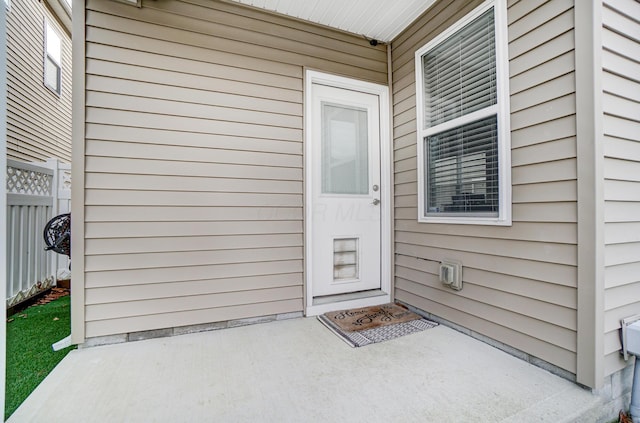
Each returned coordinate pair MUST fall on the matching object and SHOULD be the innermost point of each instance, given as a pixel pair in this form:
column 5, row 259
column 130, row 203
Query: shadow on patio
column 297, row 370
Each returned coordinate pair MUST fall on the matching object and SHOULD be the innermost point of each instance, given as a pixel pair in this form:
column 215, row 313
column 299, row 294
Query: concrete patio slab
column 298, row 371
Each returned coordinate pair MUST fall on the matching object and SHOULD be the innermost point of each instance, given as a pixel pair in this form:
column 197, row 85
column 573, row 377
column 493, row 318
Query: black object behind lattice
column 57, row 234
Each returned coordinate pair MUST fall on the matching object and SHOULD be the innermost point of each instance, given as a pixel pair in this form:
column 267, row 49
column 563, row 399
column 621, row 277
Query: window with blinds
column 52, row 59
column 461, row 129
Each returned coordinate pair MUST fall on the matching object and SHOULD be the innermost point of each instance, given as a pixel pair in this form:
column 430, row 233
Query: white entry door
column 346, row 190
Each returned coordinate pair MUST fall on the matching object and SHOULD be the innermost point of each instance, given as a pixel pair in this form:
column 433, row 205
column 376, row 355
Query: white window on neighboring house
column 464, row 163
column 52, row 58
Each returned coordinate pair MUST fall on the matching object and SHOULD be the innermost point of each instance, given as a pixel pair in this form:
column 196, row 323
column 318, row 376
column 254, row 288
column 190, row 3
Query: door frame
column 382, row 91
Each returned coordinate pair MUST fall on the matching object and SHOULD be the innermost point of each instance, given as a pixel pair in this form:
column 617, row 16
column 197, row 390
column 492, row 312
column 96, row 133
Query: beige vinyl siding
column 38, row 120
column 519, row 281
column 193, row 157
column 621, row 123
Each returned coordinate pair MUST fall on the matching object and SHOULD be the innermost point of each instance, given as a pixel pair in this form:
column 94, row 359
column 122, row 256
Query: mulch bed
column 40, row 299
column 52, row 295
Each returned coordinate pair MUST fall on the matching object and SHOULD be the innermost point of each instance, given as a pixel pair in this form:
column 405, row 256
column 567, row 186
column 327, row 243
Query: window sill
column 53, row 91
column 450, row 220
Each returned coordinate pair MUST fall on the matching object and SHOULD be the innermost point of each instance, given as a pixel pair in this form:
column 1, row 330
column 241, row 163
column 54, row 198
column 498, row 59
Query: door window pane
column 345, row 157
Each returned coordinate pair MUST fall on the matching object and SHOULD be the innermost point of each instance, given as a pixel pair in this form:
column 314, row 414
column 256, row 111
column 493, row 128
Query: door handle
column 375, row 202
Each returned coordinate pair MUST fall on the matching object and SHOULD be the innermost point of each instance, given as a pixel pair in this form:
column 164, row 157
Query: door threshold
column 326, row 299
column 328, row 303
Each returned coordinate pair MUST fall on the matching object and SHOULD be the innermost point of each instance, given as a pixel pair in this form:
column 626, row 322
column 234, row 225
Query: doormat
column 370, row 325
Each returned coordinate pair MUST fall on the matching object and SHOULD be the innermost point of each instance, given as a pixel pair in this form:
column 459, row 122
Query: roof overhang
column 62, row 12
column 380, row 20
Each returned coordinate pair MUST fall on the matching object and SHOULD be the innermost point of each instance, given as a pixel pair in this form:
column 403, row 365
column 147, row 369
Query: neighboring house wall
column 193, row 187
column 38, row 120
column 519, row 281
column 621, row 107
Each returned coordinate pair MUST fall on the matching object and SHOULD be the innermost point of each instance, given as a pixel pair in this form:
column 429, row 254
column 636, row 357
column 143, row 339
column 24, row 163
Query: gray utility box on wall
column 451, row 274
column 630, row 336
column 630, row 328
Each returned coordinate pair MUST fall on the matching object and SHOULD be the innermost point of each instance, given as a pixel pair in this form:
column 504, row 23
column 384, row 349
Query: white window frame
column 501, row 110
column 56, row 90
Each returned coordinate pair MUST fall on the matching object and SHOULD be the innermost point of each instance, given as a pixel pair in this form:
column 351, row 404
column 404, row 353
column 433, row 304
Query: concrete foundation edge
column 182, row 330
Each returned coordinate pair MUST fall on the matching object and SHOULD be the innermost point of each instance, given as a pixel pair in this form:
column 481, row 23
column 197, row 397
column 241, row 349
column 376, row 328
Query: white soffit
column 382, row 20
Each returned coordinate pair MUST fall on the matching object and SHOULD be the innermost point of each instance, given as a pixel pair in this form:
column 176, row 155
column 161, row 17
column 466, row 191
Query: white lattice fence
column 32, row 199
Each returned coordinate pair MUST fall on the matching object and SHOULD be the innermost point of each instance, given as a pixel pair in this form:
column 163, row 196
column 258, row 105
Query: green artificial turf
column 30, row 357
